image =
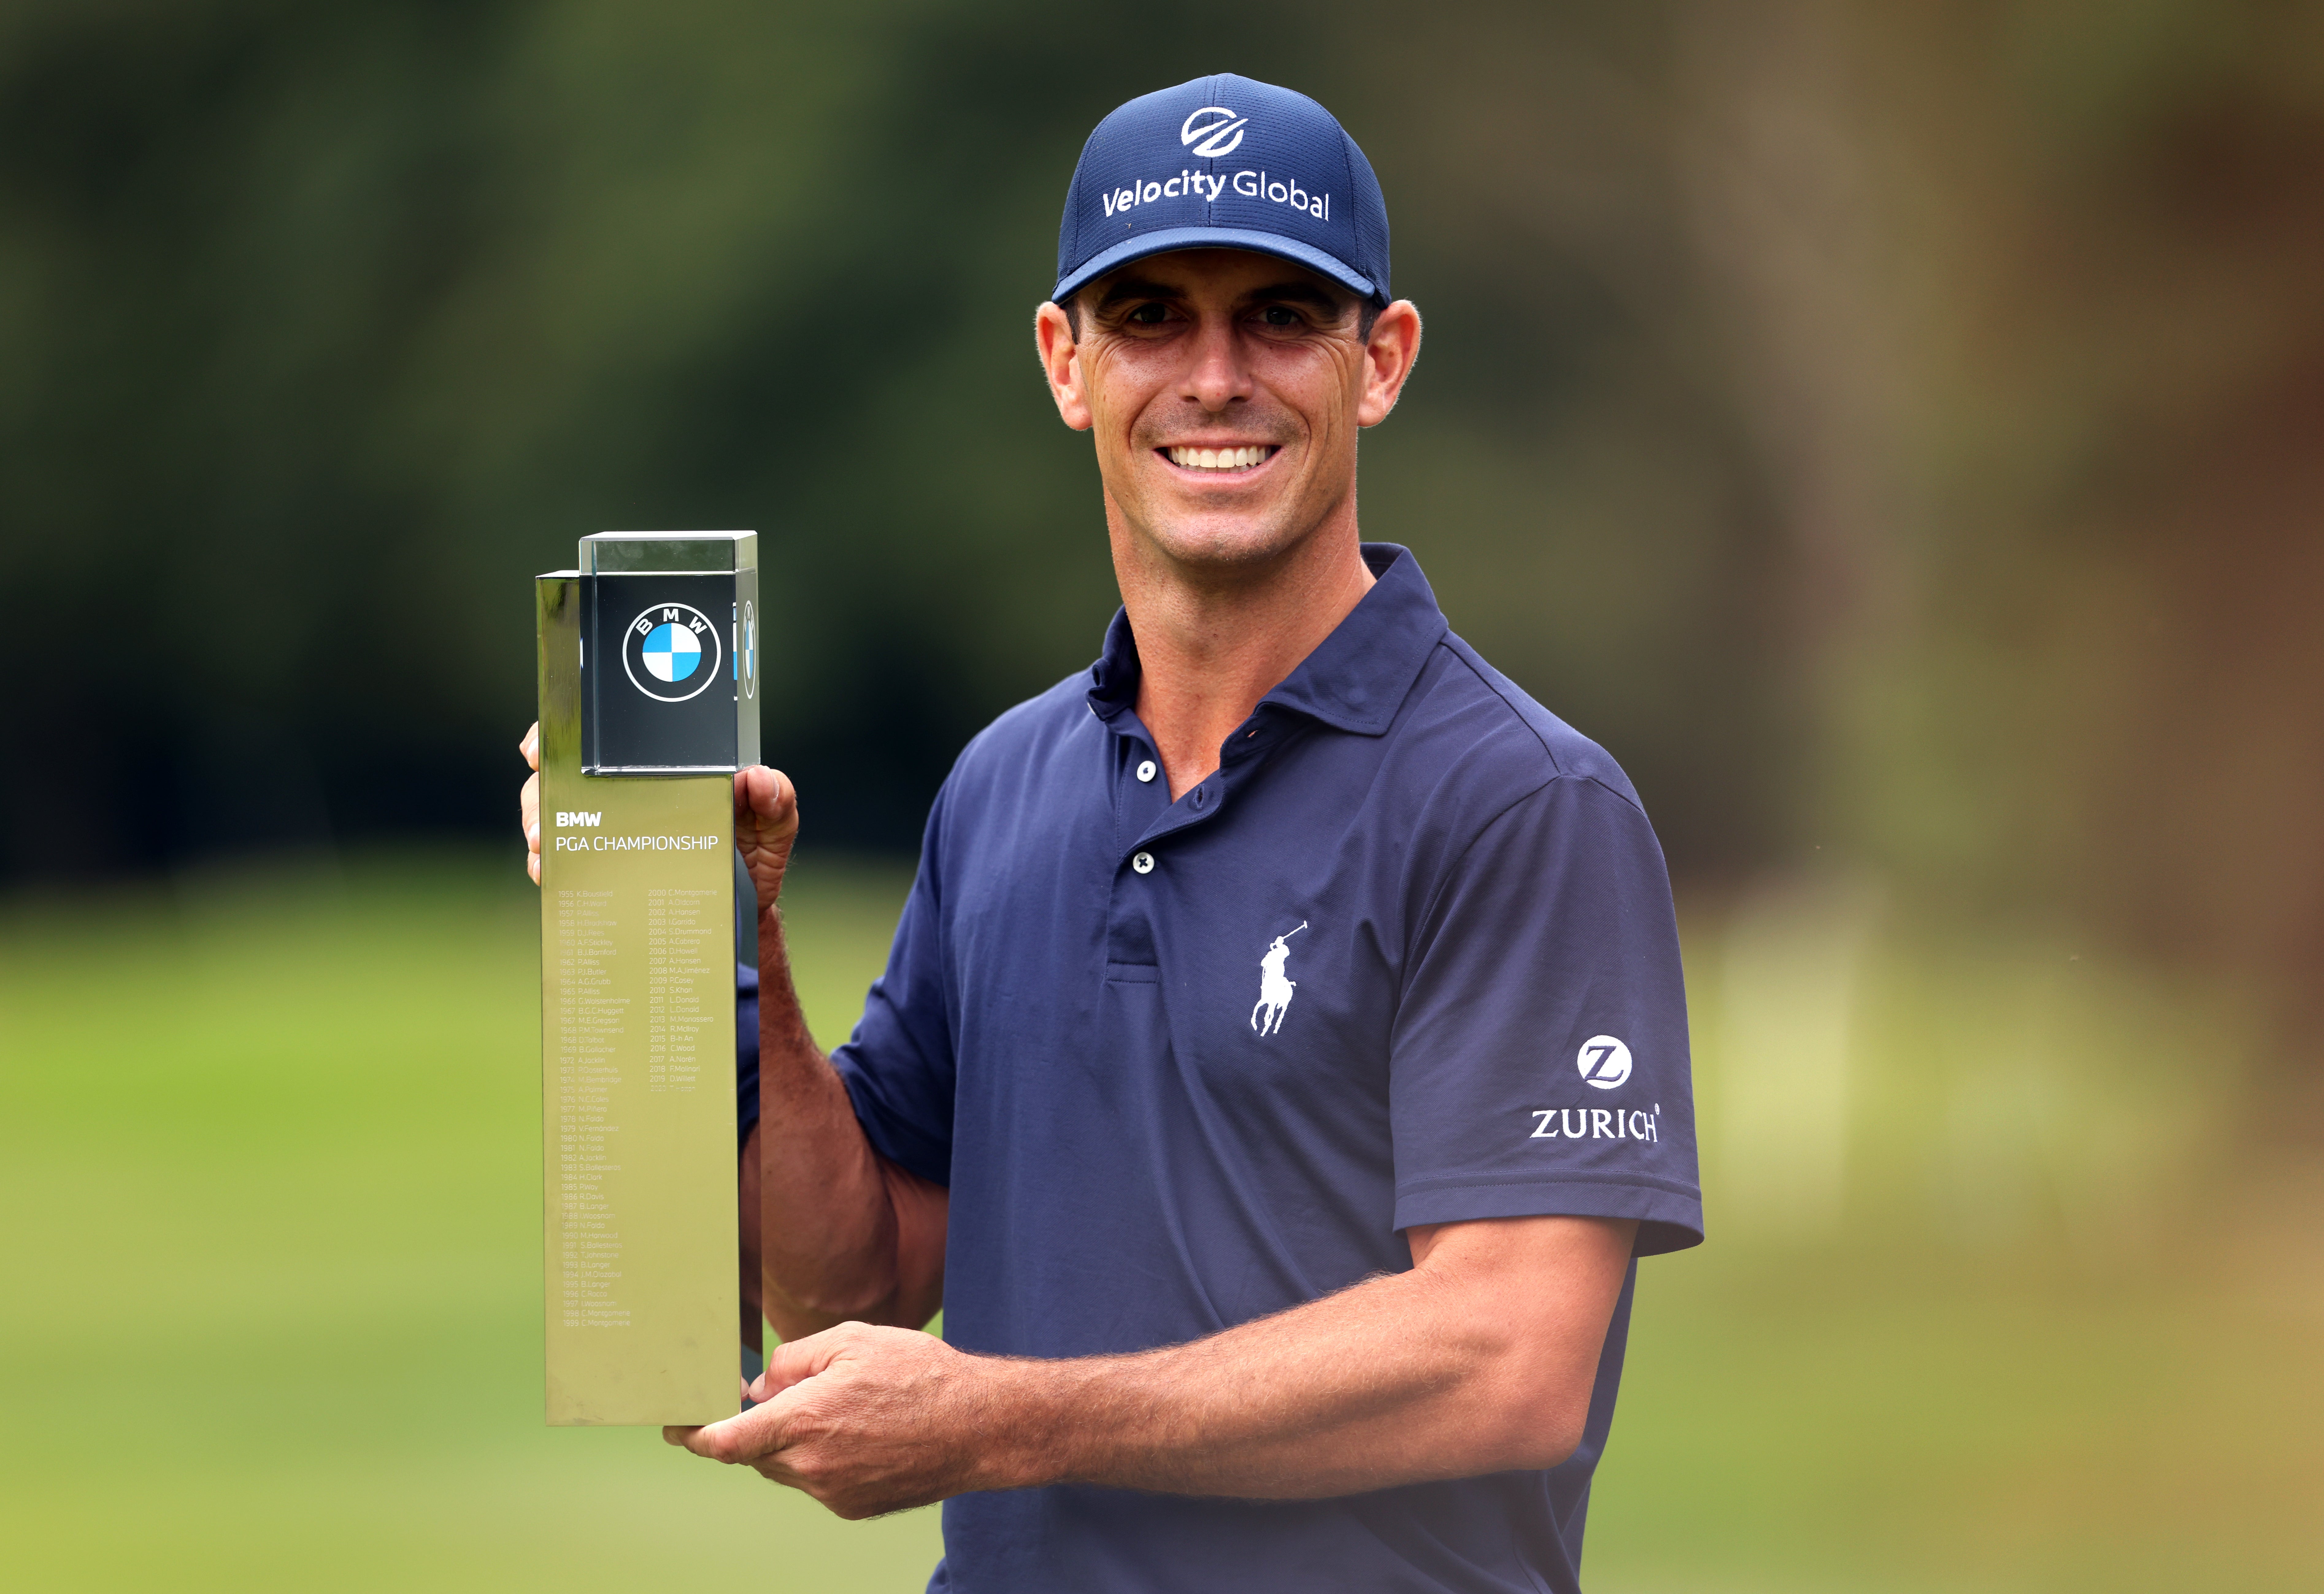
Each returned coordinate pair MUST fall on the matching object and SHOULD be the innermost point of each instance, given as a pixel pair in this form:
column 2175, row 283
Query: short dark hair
column 1367, row 312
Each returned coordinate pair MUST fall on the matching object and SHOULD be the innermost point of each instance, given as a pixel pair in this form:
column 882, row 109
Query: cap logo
column 1214, row 134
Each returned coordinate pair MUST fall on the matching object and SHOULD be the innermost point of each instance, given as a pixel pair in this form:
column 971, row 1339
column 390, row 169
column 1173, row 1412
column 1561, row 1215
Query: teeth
column 1218, row 459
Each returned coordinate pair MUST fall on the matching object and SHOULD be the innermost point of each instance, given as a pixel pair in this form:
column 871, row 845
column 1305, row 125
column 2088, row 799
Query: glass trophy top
column 609, row 553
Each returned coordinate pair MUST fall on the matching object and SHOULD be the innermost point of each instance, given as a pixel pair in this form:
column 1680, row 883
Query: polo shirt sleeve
column 1538, row 1064
column 898, row 1065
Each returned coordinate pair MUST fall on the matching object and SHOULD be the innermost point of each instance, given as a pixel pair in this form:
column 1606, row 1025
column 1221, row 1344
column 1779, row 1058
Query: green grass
column 1863, row 1419
column 271, row 1153
column 269, row 1157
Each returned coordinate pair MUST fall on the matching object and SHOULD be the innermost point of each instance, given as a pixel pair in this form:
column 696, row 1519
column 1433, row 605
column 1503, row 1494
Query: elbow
column 1539, row 1419
column 1544, row 1441
column 797, row 1307
column 894, row 1304
column 836, row 1306
column 1534, row 1439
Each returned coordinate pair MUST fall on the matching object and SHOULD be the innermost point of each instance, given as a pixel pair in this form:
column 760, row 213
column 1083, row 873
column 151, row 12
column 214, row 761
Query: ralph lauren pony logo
column 1275, row 987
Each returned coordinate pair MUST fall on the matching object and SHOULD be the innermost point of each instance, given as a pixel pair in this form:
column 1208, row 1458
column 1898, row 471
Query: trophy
column 648, row 704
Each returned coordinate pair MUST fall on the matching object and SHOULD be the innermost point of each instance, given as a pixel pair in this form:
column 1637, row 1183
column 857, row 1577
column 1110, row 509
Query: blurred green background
column 1893, row 430
column 268, row 1146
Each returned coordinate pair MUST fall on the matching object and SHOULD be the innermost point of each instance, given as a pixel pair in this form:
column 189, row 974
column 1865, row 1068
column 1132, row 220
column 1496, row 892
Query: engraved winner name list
column 637, row 1080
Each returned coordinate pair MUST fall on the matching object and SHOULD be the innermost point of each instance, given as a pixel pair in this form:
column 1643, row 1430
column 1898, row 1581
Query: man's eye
column 1149, row 315
column 1278, row 314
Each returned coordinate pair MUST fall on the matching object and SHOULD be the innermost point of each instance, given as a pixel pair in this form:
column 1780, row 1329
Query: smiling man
column 1282, row 1060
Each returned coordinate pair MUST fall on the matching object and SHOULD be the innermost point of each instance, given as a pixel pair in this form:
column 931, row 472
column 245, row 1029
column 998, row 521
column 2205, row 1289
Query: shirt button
column 1143, row 862
column 1146, row 771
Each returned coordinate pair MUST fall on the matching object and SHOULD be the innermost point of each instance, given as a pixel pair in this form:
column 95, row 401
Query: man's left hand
column 867, row 1420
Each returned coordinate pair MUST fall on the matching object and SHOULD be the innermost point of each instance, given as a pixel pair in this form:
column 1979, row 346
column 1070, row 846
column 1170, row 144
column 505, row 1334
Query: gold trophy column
column 637, row 1003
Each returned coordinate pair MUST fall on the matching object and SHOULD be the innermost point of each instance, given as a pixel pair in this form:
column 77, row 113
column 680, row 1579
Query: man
column 1324, row 1296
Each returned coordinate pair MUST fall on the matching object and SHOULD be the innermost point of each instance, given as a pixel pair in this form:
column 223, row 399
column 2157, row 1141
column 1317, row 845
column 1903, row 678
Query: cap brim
column 1174, row 238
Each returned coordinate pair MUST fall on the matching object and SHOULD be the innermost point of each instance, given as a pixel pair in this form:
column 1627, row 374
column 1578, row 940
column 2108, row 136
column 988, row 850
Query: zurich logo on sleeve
column 1604, row 1062
column 672, row 652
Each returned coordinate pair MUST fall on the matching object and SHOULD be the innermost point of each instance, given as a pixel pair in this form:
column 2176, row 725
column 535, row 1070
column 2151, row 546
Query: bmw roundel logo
column 671, row 651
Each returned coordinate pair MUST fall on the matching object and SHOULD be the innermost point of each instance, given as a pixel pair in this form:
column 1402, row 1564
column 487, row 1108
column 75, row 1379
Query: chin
column 1225, row 542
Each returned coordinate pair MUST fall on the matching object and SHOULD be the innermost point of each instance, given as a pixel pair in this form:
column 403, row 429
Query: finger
column 794, row 1361
column 744, row 1440
column 754, row 793
column 772, row 799
column 746, row 806
column 530, row 745
column 528, row 811
column 678, row 1436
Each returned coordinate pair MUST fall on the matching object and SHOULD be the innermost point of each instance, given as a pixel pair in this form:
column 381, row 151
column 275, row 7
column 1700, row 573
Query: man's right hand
column 528, row 801
column 766, row 825
column 766, row 820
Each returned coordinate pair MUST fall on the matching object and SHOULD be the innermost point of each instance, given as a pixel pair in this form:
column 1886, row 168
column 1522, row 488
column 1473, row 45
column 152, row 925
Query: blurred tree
column 327, row 326
column 1890, row 430
column 2024, row 307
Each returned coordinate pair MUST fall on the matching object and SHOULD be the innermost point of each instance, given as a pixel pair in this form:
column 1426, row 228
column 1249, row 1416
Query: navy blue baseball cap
column 1224, row 162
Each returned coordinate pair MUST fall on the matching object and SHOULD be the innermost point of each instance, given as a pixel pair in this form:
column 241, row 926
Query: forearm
column 1480, row 1359
column 1342, row 1396
column 1423, row 1374
column 827, row 1221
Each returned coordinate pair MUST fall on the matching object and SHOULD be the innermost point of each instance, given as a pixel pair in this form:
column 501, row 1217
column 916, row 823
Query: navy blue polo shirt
column 1406, row 957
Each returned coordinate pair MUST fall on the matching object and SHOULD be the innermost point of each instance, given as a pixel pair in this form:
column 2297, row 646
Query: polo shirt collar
column 1355, row 680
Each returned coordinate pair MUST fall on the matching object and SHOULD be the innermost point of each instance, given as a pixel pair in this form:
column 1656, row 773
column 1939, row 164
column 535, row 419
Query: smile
column 1220, row 459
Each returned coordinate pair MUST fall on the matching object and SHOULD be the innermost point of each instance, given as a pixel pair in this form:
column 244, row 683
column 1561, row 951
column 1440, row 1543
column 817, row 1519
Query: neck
column 1213, row 640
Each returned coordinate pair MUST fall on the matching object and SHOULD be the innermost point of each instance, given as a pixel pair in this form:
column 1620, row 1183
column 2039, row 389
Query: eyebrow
column 1301, row 293
column 1136, row 288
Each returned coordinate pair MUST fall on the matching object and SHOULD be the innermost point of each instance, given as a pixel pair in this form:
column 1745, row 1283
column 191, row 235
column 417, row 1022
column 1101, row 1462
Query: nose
column 1215, row 377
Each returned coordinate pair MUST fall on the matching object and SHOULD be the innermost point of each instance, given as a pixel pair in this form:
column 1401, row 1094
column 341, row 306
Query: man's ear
column 1388, row 359
column 1053, row 340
